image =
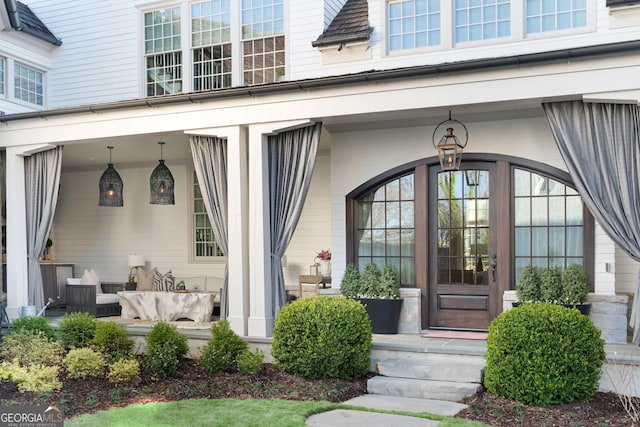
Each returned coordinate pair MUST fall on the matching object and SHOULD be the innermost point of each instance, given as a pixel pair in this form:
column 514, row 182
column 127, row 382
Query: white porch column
column 238, row 215
column 261, row 315
column 17, row 268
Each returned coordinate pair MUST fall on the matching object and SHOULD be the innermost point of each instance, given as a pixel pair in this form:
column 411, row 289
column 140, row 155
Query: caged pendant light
column 161, row 183
column 110, row 186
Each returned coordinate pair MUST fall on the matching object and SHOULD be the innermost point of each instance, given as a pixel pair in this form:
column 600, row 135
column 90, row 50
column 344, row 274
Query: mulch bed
column 90, row 395
column 95, row 394
column 603, row 410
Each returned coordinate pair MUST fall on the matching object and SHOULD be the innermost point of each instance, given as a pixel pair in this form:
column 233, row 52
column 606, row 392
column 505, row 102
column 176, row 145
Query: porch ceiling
column 137, row 150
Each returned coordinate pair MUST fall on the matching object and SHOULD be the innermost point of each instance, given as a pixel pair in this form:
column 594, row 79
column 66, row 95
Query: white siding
column 600, row 34
column 99, row 60
column 626, row 272
column 313, row 233
column 98, row 237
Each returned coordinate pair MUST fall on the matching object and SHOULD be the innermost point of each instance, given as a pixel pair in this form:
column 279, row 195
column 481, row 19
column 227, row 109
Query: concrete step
column 438, row 367
column 422, row 389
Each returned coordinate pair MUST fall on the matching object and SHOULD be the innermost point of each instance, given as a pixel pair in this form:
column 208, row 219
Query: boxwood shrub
column 543, row 354
column 76, row 330
column 323, row 337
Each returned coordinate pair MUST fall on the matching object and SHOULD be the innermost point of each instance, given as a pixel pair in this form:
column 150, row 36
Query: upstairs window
column 211, row 41
column 555, row 15
column 420, row 24
column 211, row 45
column 28, row 84
column 482, row 19
column 162, row 49
column 414, row 23
column 263, row 41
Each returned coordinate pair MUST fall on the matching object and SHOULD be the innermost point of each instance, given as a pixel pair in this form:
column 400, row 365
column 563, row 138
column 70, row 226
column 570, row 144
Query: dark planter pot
column 582, row 308
column 384, row 314
column 515, row 304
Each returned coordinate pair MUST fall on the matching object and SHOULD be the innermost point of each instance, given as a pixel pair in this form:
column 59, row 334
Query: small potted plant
column 529, row 286
column 379, row 292
column 551, row 285
column 575, row 289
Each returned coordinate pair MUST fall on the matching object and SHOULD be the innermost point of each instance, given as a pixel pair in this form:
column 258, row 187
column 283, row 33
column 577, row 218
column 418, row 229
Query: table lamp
column 134, row 262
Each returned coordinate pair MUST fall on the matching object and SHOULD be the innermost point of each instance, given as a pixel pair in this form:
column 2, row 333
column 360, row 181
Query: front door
column 464, row 280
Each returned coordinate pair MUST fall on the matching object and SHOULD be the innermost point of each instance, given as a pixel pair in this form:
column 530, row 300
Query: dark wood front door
column 464, row 253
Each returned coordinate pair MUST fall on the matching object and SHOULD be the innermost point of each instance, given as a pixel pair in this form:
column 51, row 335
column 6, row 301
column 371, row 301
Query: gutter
column 364, row 77
column 360, row 36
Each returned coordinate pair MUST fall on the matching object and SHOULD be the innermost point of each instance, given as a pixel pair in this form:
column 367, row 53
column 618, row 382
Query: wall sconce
column 450, row 147
column 110, row 186
column 161, row 183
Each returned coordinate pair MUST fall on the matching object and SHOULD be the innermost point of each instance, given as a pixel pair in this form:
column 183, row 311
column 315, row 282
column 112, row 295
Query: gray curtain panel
column 42, row 181
column 600, row 144
column 3, row 181
column 292, row 157
column 210, row 163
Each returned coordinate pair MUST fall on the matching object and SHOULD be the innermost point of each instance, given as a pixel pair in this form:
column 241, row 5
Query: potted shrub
column 379, row 292
column 575, row 289
column 551, row 285
column 529, row 286
column 350, row 284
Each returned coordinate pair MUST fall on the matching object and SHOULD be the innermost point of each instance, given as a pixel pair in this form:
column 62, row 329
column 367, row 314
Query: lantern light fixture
column 110, row 186
column 161, row 183
column 450, row 146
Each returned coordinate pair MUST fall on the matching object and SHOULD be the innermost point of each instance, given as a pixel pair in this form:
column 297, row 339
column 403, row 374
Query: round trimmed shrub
column 223, row 349
column 543, row 354
column 551, row 285
column 165, row 348
column 113, row 341
column 124, row 371
column 529, row 285
column 83, row 363
column 31, row 347
column 76, row 330
column 323, row 337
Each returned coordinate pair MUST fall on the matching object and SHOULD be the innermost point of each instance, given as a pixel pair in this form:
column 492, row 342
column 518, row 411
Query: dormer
column 347, row 36
column 17, row 16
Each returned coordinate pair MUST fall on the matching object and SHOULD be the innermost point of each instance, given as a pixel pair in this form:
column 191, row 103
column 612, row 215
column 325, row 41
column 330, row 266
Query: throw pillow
column 163, row 282
column 91, row 278
column 145, row 281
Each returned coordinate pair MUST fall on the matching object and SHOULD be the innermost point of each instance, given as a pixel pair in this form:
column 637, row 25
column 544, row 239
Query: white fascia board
column 559, row 81
column 617, row 97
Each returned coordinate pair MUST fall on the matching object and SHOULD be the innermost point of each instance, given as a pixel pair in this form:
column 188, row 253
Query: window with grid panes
column 263, row 50
column 549, row 226
column 386, row 231
column 163, row 51
column 204, row 241
column 28, row 84
column 554, row 15
column 482, row 19
column 211, row 45
column 414, row 23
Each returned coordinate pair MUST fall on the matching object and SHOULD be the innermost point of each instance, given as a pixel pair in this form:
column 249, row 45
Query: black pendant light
column 161, row 183
column 110, row 186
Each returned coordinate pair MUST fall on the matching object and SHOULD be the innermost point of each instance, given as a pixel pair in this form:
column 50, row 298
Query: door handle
column 493, row 265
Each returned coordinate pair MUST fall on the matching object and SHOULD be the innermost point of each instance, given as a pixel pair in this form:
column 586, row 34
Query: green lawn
column 226, row 412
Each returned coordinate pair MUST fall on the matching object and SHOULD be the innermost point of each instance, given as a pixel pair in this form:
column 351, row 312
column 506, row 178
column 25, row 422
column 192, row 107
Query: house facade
column 381, row 76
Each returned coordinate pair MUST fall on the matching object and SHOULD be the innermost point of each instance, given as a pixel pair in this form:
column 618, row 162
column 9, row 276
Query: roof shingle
column 350, row 24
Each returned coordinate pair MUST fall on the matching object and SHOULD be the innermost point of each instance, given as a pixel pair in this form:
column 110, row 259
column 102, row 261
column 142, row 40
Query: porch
column 397, row 357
